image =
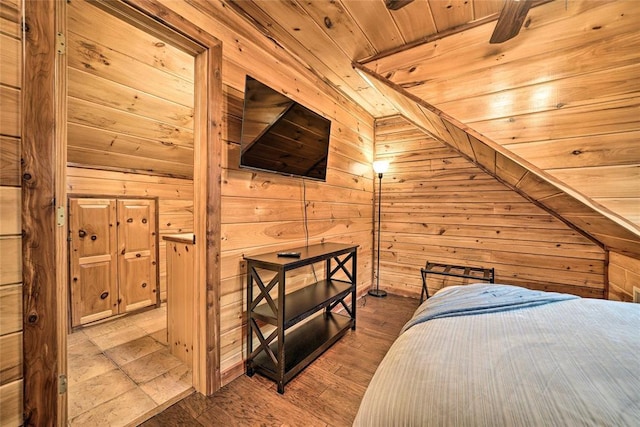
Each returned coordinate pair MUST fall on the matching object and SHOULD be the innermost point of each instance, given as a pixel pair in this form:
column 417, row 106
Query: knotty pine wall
column 265, row 212
column 260, row 211
column 624, row 276
column 438, row 206
column 131, row 97
column 11, row 366
column 562, row 94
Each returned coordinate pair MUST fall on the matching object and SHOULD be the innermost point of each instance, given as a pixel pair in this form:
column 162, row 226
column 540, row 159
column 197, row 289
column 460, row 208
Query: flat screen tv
column 279, row 135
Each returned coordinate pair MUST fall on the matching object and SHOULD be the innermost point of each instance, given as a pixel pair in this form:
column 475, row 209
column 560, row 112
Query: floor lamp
column 380, row 167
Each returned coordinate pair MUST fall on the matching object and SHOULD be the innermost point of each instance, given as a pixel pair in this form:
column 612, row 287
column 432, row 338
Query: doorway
column 117, row 351
column 130, row 110
column 130, row 133
column 206, row 52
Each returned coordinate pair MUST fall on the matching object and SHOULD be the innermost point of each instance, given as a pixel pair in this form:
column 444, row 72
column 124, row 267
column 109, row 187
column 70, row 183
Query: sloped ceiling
column 558, row 106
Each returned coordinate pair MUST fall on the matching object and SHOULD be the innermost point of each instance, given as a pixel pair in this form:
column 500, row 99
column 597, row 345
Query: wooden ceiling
column 328, row 35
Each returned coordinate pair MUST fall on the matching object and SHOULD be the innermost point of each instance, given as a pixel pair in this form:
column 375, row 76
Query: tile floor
column 121, row 372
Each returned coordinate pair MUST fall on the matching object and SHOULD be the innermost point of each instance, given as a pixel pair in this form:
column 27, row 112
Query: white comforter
column 566, row 363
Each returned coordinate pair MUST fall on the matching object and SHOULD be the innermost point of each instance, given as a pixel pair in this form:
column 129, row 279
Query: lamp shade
column 380, row 166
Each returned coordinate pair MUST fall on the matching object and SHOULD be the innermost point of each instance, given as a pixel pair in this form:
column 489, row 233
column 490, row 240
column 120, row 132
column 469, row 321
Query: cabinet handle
column 144, row 284
column 104, row 295
column 129, row 219
column 82, row 233
column 138, row 255
column 144, row 220
column 94, row 237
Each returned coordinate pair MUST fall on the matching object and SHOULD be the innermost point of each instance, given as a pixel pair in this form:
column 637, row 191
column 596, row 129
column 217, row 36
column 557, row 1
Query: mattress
column 521, row 358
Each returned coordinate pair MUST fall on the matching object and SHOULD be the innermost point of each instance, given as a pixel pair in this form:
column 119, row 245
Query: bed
column 499, row 355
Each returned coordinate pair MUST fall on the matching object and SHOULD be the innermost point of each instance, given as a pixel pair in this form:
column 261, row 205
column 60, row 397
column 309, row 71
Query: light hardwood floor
column 327, row 392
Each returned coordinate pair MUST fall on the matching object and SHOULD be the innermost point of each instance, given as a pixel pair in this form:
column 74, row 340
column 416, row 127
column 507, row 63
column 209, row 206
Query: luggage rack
column 477, row 273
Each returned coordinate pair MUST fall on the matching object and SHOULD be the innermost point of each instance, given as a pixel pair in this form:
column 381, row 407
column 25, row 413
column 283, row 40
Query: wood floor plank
column 327, row 392
column 174, row 415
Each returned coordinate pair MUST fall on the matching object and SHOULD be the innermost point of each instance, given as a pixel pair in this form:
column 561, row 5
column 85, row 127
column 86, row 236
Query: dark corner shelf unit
column 283, row 353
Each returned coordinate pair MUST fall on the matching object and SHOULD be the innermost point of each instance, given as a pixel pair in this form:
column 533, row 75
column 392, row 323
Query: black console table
column 282, row 354
column 477, row 273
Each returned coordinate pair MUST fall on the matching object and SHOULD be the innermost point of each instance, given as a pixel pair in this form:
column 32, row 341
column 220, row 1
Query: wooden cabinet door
column 93, row 279
column 137, row 253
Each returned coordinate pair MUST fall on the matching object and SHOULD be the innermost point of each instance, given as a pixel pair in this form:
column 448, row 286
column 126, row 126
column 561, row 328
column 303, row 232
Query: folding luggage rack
column 477, row 273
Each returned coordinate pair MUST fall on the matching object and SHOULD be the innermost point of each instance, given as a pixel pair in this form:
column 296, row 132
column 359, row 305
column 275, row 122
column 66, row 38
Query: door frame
column 44, row 195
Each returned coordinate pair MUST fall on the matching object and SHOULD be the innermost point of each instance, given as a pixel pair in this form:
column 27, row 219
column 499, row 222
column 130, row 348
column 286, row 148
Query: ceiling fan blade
column 510, row 21
column 396, row 4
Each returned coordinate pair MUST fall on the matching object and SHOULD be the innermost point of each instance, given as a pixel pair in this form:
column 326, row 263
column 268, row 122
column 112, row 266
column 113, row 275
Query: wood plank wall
column 265, row 212
column 11, row 366
column 438, row 206
column 131, row 97
column 624, row 276
column 563, row 94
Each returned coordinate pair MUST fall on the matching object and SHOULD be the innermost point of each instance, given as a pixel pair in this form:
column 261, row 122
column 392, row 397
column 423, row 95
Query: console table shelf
column 282, row 354
column 304, row 345
column 304, row 302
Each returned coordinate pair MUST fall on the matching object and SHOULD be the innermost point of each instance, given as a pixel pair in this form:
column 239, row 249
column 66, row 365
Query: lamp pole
column 380, row 167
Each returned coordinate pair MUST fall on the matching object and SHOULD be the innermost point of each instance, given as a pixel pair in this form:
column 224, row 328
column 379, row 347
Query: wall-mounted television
column 279, row 135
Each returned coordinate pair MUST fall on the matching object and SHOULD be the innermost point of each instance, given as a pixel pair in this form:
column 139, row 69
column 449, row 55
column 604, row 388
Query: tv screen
column 279, row 135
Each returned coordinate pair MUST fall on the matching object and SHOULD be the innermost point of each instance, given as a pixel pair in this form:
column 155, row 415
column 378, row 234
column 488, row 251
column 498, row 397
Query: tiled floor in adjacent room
column 121, row 372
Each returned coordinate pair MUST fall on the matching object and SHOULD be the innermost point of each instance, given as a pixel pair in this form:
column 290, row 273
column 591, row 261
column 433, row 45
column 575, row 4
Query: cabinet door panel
column 93, row 279
column 137, row 252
